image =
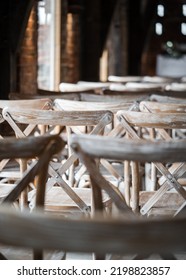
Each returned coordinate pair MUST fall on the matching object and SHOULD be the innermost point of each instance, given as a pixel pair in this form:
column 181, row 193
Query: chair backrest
column 43, row 94
column 113, row 106
column 100, row 234
column 130, row 149
column 134, row 150
column 159, row 122
column 167, row 99
column 63, row 118
column 97, row 120
column 42, row 103
column 153, row 120
column 38, row 149
column 41, row 148
column 155, row 107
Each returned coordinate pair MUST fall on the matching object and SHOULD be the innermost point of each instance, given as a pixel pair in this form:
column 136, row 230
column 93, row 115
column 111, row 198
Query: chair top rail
column 42, row 103
column 108, row 97
column 44, row 94
column 153, row 120
column 114, row 106
column 109, row 235
column 12, row 147
column 135, row 150
column 63, row 118
column 155, row 107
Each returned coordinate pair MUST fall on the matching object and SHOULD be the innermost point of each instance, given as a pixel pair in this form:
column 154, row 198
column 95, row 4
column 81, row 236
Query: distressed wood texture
column 28, row 147
column 159, row 122
column 138, row 150
column 114, row 106
column 154, row 120
column 156, row 107
column 100, row 235
column 111, row 97
column 42, row 103
column 41, row 149
column 167, row 99
column 63, row 175
column 63, row 118
column 44, row 94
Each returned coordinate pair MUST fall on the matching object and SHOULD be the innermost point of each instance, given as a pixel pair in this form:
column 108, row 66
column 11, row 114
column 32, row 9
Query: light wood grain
column 108, row 235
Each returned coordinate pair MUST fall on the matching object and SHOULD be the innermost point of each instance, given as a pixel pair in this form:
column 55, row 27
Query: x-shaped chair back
column 96, row 119
column 6, row 175
column 41, row 149
column 91, row 147
column 160, row 122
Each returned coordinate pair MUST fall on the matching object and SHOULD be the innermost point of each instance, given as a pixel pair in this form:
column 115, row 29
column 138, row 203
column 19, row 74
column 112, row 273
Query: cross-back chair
column 40, row 150
column 61, row 193
column 90, row 148
column 159, row 122
column 114, row 107
column 8, row 172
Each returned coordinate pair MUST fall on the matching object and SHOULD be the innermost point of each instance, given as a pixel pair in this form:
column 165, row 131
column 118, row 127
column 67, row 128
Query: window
column 49, row 44
column 183, row 28
column 160, row 10
column 158, row 28
column 184, row 10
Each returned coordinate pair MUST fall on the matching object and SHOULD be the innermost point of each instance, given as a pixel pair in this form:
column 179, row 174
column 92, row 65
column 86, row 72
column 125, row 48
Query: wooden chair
column 114, row 107
column 159, row 122
column 61, row 194
column 90, row 148
column 8, row 172
column 40, row 150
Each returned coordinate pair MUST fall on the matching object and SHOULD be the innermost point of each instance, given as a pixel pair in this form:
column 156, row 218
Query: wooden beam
column 19, row 13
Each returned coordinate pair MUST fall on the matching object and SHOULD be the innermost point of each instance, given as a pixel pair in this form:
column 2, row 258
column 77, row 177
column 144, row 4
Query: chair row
column 120, row 232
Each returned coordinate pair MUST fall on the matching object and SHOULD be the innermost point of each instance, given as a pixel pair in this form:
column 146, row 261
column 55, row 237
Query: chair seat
column 57, row 200
column 165, row 206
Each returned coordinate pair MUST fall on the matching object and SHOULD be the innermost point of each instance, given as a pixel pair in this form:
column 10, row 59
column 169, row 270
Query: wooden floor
column 20, row 254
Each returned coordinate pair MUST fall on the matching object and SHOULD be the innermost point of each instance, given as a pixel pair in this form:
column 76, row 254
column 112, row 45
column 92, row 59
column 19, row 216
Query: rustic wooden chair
column 114, row 129
column 41, row 149
column 159, row 122
column 61, row 194
column 91, row 147
column 6, row 165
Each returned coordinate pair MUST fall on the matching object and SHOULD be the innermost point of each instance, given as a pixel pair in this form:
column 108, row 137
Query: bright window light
column 160, row 10
column 183, row 28
column 159, row 28
column 184, row 10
